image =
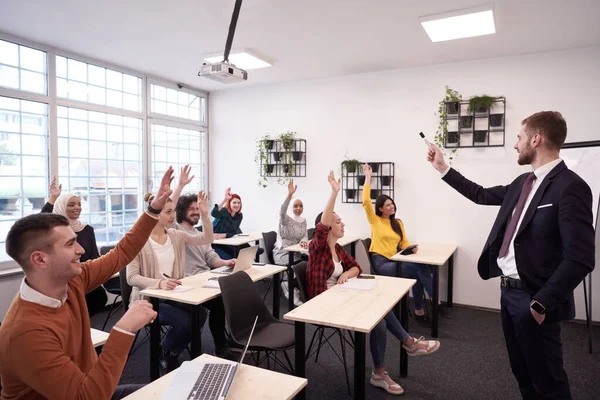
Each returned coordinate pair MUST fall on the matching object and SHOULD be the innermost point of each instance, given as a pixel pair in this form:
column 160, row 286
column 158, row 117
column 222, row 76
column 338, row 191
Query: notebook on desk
column 243, row 261
column 204, row 381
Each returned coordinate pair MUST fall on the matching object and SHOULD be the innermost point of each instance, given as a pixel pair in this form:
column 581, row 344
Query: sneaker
column 422, row 347
column 382, row 382
column 297, row 301
column 284, row 290
column 169, row 361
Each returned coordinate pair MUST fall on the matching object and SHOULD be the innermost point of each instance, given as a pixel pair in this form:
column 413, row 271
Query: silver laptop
column 243, row 261
column 204, row 381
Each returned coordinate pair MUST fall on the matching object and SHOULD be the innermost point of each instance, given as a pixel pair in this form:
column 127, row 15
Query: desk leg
column 449, row 303
column 196, row 331
column 155, row 343
column 236, row 250
column 435, row 301
column 299, row 355
column 276, row 289
column 404, row 322
column 290, row 281
column 397, row 306
column 359, row 364
column 257, row 258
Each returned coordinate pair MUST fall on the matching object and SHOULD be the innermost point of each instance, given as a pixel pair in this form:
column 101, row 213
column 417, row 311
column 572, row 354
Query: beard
column 192, row 220
column 525, row 157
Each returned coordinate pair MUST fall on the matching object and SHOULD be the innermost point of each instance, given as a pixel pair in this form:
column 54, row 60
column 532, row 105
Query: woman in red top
column 330, row 264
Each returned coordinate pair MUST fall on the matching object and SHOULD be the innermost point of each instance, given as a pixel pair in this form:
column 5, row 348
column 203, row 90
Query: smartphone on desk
column 260, row 264
column 242, row 234
column 409, row 250
column 363, row 276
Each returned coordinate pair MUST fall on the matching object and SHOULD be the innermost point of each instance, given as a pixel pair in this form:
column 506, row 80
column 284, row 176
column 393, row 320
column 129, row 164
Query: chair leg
column 320, row 344
column 312, row 340
column 110, row 311
column 289, row 362
column 268, row 289
column 343, row 346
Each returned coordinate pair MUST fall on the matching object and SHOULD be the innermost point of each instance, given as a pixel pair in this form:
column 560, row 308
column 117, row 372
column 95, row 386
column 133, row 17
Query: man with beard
column 200, row 259
column 541, row 245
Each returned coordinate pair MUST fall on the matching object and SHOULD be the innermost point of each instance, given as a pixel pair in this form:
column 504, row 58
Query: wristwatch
column 537, row 307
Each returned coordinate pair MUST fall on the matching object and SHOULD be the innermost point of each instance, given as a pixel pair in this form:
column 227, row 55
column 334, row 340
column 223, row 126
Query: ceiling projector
column 223, row 72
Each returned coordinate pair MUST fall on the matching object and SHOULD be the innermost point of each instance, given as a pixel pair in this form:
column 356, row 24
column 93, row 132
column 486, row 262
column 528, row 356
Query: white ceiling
column 306, row 39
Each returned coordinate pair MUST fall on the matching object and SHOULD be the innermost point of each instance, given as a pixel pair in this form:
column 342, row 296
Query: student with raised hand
column 227, row 220
column 387, row 237
column 292, row 228
column 69, row 205
column 200, row 259
column 46, row 349
column 159, row 265
column 329, row 264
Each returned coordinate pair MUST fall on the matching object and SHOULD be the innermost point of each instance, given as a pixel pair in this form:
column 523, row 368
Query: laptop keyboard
column 210, row 383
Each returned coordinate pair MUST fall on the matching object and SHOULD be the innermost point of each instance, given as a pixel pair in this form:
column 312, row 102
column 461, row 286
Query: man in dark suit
column 541, row 245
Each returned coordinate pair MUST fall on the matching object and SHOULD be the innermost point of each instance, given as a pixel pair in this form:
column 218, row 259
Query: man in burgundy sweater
column 46, row 351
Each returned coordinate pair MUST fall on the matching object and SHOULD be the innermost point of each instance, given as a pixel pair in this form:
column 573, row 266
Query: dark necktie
column 512, row 226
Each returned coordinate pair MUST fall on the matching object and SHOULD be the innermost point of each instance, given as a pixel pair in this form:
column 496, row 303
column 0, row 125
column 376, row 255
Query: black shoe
column 423, row 319
column 169, row 361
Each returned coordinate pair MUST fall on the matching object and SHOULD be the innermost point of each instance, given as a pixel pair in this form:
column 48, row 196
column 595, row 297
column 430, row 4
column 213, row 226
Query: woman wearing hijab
column 69, row 205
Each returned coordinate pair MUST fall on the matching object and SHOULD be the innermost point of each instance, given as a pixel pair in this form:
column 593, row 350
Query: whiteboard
column 583, row 158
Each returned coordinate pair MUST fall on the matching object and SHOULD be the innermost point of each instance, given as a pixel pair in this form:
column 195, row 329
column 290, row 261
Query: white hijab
column 298, row 218
column 60, row 207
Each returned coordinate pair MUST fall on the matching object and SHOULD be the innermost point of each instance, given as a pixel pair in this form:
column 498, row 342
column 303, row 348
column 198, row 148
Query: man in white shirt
column 541, row 245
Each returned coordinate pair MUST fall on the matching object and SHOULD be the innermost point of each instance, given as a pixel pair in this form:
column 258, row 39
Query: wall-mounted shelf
column 382, row 182
column 282, row 162
column 488, row 125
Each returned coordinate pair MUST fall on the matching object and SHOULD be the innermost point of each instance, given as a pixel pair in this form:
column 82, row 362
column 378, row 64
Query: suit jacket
column 554, row 245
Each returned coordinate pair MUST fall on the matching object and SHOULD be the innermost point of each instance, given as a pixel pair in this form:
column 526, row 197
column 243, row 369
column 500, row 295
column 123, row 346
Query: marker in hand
column 425, row 139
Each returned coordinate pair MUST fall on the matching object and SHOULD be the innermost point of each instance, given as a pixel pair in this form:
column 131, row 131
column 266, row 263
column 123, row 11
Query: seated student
column 227, row 220
column 202, row 258
column 329, row 264
column 160, row 264
column 387, row 235
column 46, row 349
column 68, row 205
column 292, row 230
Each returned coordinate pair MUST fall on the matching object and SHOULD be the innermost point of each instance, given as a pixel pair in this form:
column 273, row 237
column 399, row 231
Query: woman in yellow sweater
column 387, row 237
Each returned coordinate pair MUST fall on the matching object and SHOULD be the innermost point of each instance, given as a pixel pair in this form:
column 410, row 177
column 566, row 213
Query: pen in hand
column 171, row 280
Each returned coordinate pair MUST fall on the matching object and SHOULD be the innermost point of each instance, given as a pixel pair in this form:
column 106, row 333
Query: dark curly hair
column 182, row 206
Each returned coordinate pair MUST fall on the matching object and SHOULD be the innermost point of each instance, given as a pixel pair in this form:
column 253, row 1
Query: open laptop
column 243, row 261
column 204, row 381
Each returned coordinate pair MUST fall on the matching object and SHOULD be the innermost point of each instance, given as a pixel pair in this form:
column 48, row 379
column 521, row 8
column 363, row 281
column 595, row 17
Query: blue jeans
column 420, row 272
column 377, row 340
column 179, row 317
column 225, row 252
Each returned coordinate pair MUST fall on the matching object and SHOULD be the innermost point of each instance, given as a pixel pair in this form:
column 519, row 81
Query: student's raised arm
column 206, row 236
column 327, row 216
column 366, row 203
column 184, row 179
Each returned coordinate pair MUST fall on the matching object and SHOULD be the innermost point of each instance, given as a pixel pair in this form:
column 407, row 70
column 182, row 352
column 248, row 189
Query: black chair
column 112, row 286
column 270, row 238
column 324, row 337
column 243, row 303
column 311, row 233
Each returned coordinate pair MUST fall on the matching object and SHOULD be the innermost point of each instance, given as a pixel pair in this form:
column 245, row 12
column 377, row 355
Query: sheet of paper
column 359, row 284
column 212, row 284
column 182, row 288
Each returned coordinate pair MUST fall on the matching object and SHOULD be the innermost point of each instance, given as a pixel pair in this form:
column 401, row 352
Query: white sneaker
column 297, row 301
column 284, row 290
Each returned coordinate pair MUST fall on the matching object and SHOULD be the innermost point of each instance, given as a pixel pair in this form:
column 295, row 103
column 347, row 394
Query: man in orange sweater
column 46, row 351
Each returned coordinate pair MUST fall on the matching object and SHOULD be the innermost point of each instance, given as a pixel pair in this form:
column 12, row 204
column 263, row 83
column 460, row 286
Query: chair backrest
column 243, row 303
column 125, row 288
column 362, row 255
column 269, row 238
column 106, row 249
column 310, row 233
column 300, row 271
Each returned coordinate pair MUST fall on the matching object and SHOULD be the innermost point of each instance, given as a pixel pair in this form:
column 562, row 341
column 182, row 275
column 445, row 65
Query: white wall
column 377, row 117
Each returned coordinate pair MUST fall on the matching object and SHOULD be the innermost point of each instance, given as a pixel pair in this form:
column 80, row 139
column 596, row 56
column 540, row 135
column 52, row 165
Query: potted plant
column 374, row 193
column 277, row 156
column 360, row 179
column 480, row 104
column 385, row 180
column 480, row 136
column 496, row 120
column 350, row 193
column 261, row 159
column 297, row 155
column 374, row 166
column 441, row 134
column 452, row 137
column 452, row 101
column 466, row 121
column 287, row 140
column 350, row 165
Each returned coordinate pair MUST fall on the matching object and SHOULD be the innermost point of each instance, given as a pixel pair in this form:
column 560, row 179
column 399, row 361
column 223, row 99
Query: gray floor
column 471, row 364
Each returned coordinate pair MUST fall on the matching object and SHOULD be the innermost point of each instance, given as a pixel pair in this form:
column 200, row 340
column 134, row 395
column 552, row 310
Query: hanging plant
column 288, row 168
column 451, row 96
column 287, row 140
column 263, row 145
column 480, row 104
column 351, row 165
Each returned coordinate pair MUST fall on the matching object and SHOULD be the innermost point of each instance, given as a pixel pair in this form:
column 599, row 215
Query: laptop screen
column 248, row 342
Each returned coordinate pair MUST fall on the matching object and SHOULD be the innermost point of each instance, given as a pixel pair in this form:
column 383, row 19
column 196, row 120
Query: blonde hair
column 148, row 197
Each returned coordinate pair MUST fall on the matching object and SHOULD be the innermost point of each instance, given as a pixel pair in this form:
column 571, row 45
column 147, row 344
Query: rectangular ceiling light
column 459, row 24
column 244, row 59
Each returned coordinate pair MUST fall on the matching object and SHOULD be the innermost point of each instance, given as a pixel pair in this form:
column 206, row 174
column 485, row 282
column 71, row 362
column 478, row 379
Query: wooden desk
column 346, row 240
column 239, row 240
column 355, row 310
column 249, row 383
column 434, row 254
column 99, row 337
column 196, row 297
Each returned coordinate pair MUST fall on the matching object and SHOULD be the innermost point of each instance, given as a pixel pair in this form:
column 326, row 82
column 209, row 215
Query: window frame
column 148, row 118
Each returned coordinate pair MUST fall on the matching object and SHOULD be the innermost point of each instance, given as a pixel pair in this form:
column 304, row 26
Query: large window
column 100, row 159
column 23, row 162
column 178, row 147
column 22, row 68
column 106, row 133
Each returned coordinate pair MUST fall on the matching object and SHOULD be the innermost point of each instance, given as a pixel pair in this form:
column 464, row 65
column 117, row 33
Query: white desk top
column 200, row 294
column 249, row 383
column 429, row 253
column 239, row 240
column 355, row 310
column 342, row 242
column 99, row 337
